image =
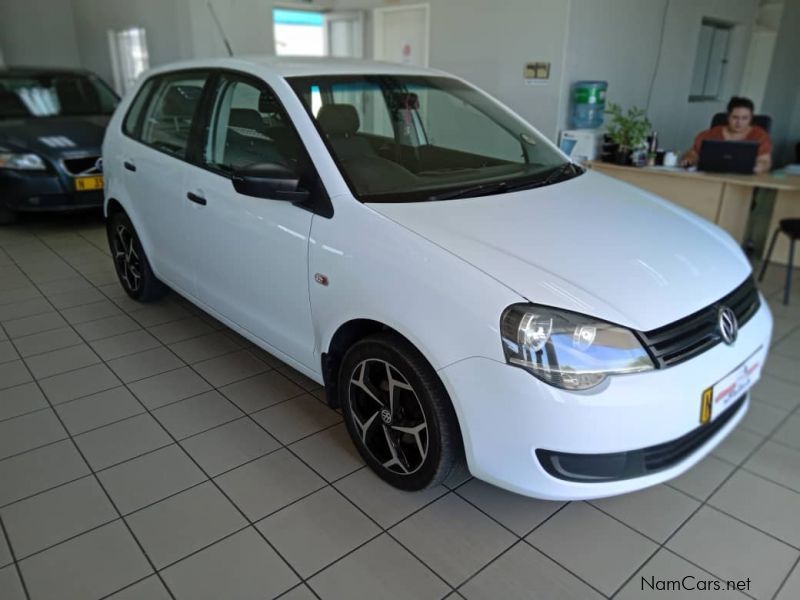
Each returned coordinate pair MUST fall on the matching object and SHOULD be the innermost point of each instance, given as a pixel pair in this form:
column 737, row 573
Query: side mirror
column 269, row 180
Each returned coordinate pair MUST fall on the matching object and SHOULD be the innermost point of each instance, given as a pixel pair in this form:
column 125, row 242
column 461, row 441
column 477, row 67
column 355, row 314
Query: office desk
column 721, row 198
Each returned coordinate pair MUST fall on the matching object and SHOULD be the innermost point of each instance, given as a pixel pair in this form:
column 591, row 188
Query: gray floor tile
column 35, row 324
column 73, row 298
column 120, row 441
column 778, row 463
column 78, row 383
column 147, row 589
column 524, row 573
column 91, row 312
column 240, row 567
column 762, row 504
column 453, row 538
column 13, row 373
column 39, row 469
column 65, row 285
column 667, row 567
column 300, row 592
column 702, row 479
column 783, row 367
column 26, row 308
column 364, row 574
column 107, row 327
column 763, row 418
column 570, row 537
column 124, row 344
column 384, row 503
column 144, row 364
column 657, row 512
column 10, row 585
column 60, row 361
column 229, row 445
column 297, row 418
column 317, row 530
column 7, row 352
column 204, row 347
column 791, row 587
column 55, row 515
column 21, row 399
column 5, row 552
column 788, row 433
column 261, row 391
column 177, row 331
column 265, row 485
column 20, row 294
column 330, row 452
column 738, row 445
column 149, row 315
column 297, row 377
column 184, row 523
column 789, row 346
column 731, row 550
column 519, row 513
column 776, row 392
column 196, row 414
column 98, row 409
column 169, row 387
column 26, row 432
column 90, row 566
column 230, row 367
column 47, row 341
column 149, row 478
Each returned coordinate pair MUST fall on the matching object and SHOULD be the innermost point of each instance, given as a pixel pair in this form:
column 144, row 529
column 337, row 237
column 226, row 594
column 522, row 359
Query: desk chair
column 763, row 121
column 790, row 227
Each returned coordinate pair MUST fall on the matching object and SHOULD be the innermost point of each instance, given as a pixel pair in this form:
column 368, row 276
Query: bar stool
column 790, row 227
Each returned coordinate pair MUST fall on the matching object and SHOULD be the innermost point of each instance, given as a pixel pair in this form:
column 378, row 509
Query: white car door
column 251, row 253
column 155, row 171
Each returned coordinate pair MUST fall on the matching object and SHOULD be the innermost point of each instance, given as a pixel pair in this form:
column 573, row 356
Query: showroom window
column 710, row 61
column 129, row 56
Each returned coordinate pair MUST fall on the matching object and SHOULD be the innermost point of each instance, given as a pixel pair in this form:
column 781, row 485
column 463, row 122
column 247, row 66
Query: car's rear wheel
column 398, row 412
column 7, row 216
column 130, row 261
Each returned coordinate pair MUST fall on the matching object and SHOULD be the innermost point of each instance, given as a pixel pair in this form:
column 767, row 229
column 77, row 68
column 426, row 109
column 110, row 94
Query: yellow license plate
column 88, row 183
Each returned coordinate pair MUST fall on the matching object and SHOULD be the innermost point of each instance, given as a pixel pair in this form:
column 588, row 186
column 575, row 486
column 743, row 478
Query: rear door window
column 170, row 114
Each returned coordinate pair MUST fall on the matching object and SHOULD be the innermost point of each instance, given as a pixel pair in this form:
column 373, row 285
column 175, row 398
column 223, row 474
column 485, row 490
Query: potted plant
column 629, row 129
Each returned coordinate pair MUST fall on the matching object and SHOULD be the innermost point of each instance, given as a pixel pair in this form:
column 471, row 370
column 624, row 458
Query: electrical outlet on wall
column 536, row 72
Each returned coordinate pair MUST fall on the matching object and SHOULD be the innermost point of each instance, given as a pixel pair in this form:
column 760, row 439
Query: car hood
column 53, row 137
column 592, row 244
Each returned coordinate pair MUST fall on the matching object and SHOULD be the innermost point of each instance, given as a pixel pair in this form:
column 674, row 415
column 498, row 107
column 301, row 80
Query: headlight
column 569, row 350
column 23, row 162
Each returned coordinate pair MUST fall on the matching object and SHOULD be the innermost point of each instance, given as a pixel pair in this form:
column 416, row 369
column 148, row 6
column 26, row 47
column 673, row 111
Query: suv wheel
column 130, row 261
column 398, row 412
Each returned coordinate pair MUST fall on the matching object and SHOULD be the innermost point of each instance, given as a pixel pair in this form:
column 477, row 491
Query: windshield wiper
column 483, row 189
column 566, row 171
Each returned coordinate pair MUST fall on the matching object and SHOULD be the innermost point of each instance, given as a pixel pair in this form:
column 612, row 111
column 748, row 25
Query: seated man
column 738, row 128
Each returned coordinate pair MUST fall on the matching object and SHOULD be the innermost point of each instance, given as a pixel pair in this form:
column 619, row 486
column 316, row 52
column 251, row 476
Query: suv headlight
column 569, row 350
column 22, row 162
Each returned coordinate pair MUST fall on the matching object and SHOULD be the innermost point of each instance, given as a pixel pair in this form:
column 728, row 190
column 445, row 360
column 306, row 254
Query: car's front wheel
column 130, row 261
column 398, row 412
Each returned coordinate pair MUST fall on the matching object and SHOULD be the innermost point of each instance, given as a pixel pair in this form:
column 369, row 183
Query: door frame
column 346, row 15
column 378, row 15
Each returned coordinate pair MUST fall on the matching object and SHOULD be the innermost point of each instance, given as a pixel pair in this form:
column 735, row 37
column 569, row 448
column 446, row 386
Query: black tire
column 441, row 442
column 130, row 260
column 7, row 216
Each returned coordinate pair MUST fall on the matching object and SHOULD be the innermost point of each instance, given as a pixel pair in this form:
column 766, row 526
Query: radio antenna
column 221, row 30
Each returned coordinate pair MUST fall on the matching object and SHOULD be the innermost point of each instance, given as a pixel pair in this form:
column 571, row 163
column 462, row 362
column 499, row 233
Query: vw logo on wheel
column 728, row 325
column 98, row 165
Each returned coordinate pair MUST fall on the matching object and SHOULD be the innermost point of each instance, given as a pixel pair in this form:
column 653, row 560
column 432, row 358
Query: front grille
column 679, row 341
column 615, row 466
column 85, row 165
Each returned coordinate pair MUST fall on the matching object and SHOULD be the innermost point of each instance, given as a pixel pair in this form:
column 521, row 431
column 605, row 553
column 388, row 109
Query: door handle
column 130, row 166
column 196, row 199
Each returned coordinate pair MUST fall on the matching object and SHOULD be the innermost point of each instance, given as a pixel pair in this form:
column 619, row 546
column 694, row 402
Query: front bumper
column 506, row 415
column 37, row 191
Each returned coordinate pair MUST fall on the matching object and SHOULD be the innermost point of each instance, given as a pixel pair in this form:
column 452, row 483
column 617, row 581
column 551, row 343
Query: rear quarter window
column 130, row 126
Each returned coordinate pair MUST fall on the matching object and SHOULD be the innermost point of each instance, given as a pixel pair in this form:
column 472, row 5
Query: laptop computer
column 722, row 156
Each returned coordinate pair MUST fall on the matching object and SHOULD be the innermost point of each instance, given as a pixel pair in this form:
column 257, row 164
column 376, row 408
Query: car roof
column 298, row 66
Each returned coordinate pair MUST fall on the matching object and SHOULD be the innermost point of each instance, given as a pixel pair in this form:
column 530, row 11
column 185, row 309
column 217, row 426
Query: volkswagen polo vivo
column 461, row 289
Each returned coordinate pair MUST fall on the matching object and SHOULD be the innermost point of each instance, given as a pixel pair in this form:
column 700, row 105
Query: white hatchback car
column 460, row 288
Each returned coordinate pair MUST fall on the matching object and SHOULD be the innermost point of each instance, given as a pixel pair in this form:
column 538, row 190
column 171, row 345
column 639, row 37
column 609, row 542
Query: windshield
column 54, row 94
column 413, row 138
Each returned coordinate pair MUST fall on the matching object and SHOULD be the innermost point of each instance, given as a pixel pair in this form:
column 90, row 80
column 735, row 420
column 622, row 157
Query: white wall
column 617, row 41
column 38, row 33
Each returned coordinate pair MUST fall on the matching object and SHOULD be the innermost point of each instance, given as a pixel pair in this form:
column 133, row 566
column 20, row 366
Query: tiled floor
column 148, row 452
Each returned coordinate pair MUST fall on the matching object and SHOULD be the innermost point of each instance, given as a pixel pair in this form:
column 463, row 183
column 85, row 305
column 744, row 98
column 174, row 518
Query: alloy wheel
column 129, row 264
column 388, row 416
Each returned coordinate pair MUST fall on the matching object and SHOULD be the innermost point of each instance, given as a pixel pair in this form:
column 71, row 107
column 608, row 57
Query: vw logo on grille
column 728, row 325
